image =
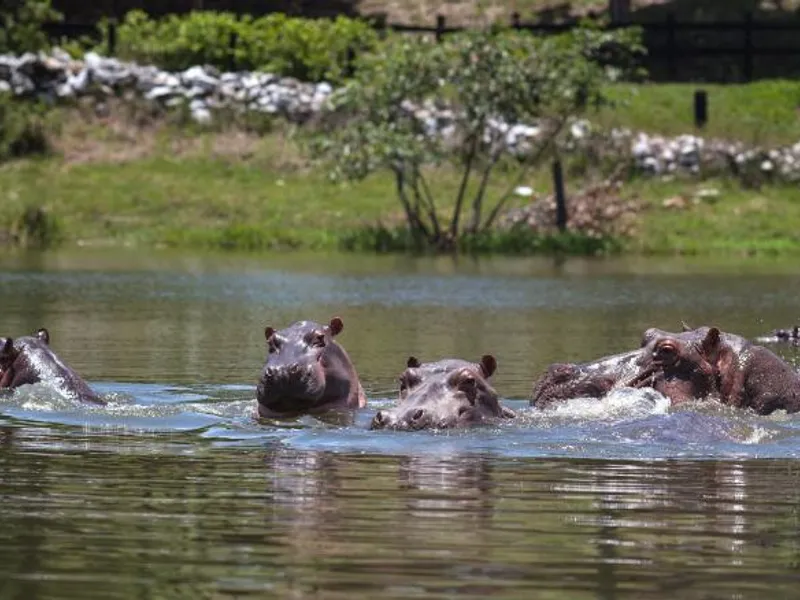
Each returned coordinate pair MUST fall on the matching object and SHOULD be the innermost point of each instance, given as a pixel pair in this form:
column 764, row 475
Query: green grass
column 211, row 203
column 765, row 221
column 766, row 112
column 131, row 185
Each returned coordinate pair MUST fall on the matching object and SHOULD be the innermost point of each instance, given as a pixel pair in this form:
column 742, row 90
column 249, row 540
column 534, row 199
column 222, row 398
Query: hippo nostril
column 463, row 410
column 417, row 415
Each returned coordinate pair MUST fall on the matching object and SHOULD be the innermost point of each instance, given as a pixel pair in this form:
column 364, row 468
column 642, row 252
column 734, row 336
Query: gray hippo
column 445, row 394
column 30, row 359
column 789, row 336
column 745, row 375
column 307, row 372
column 595, row 379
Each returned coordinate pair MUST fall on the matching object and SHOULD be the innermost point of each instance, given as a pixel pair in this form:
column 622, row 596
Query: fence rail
column 665, row 52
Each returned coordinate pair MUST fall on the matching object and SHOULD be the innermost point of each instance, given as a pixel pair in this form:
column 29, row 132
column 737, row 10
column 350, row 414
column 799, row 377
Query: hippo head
column 294, row 376
column 7, row 357
column 681, row 366
column 565, row 381
column 445, row 394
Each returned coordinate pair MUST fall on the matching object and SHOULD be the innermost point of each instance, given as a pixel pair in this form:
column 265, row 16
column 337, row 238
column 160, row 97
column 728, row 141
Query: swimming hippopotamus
column 790, row 336
column 672, row 364
column 29, row 359
column 307, row 372
column 680, row 365
column 595, row 379
column 445, row 394
column 745, row 375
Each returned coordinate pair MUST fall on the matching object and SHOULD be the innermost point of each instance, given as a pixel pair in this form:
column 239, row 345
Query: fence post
column 233, row 41
column 561, row 200
column 112, row 37
column 380, row 25
column 747, row 71
column 440, row 25
column 700, row 108
column 515, row 20
column 672, row 48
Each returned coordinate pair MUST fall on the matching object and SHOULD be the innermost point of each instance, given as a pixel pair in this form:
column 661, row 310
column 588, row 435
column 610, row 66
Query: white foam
column 622, row 403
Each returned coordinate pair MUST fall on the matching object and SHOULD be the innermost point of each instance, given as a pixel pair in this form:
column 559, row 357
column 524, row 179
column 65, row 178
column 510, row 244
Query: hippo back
column 36, row 362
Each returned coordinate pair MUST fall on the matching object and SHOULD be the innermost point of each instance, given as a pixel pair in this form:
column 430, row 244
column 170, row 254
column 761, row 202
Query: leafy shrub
column 308, row 49
column 21, row 29
column 24, row 128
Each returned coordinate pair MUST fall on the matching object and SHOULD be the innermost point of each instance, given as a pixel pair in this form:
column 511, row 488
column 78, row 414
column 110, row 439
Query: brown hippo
column 29, row 359
column 671, row 363
column 307, row 372
column 746, row 375
column 445, row 394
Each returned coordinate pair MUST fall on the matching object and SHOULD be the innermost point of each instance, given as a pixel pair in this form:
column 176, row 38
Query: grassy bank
column 125, row 180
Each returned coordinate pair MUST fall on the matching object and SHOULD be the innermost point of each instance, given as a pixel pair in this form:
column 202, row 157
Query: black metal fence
column 718, row 51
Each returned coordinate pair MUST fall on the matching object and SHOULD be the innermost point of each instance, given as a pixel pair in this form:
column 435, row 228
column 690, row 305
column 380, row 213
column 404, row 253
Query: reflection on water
column 174, row 489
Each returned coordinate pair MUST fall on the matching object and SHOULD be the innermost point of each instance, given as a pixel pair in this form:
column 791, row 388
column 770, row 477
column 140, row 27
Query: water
column 174, row 490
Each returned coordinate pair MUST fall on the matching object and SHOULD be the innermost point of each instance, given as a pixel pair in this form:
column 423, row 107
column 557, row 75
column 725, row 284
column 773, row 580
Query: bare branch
column 477, row 202
column 530, row 162
column 417, row 226
column 462, row 188
column 431, row 203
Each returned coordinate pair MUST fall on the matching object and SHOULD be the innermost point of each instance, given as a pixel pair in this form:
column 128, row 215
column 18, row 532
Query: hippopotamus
column 790, row 336
column 30, row 359
column 448, row 393
column 672, row 364
column 745, row 374
column 307, row 372
column 565, row 381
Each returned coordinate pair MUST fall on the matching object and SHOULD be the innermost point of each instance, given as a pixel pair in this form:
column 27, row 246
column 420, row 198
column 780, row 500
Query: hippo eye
column 666, row 349
column 318, row 340
column 469, row 386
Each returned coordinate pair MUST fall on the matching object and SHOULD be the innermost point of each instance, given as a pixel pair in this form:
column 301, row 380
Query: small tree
column 487, row 80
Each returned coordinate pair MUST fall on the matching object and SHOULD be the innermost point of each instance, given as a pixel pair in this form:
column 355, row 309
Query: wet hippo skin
column 446, row 394
column 29, row 360
column 307, row 372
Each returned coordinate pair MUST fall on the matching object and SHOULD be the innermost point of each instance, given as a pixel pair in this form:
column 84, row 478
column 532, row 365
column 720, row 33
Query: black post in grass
column 112, row 37
column 700, row 108
column 440, row 27
column 561, row 198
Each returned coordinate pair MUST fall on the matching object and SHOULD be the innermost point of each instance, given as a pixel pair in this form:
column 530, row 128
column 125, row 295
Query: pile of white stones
column 203, row 89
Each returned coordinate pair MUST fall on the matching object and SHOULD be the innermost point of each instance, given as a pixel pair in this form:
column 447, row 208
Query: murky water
column 174, row 490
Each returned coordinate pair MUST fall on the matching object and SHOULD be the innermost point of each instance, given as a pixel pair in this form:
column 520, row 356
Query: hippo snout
column 414, row 419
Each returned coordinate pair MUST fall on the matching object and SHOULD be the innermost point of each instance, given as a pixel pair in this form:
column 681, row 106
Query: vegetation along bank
column 324, row 153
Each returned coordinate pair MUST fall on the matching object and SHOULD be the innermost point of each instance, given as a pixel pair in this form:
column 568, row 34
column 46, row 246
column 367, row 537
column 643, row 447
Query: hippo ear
column 413, row 362
column 43, row 335
column 488, row 365
column 711, row 342
column 336, row 326
column 685, row 327
column 7, row 346
column 268, row 332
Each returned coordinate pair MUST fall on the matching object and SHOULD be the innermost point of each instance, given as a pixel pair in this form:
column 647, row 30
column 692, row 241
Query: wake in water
column 628, row 423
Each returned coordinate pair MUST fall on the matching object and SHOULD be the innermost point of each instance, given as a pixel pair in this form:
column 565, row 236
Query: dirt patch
column 596, row 211
column 119, row 132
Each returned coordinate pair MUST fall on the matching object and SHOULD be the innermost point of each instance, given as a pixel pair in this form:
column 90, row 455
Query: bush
column 21, row 29
column 24, row 128
column 308, row 49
